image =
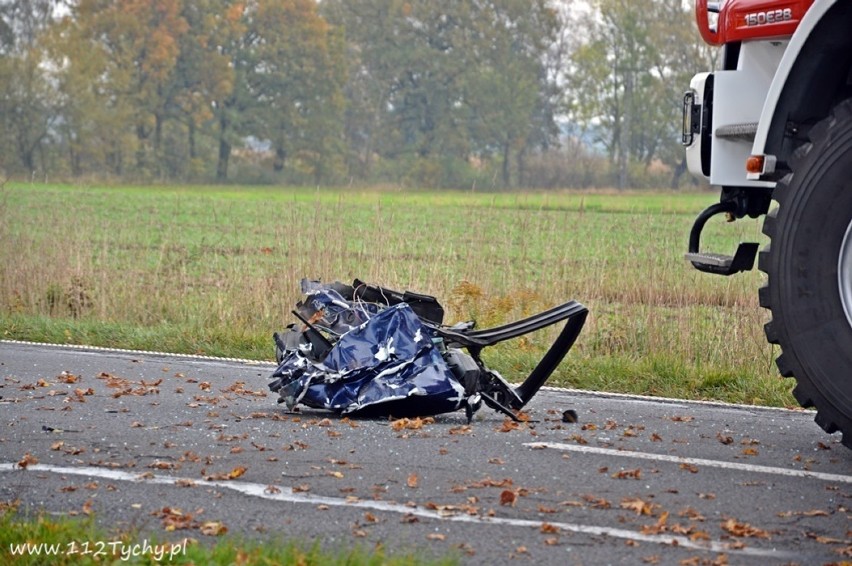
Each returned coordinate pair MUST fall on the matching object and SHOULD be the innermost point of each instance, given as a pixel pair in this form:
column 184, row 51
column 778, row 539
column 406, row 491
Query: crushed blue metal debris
column 371, row 351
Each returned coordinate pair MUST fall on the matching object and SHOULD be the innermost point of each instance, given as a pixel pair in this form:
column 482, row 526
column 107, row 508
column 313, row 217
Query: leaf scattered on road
column 741, row 529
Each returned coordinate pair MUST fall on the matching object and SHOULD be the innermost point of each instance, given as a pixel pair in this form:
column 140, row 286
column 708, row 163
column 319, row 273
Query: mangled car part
column 370, row 351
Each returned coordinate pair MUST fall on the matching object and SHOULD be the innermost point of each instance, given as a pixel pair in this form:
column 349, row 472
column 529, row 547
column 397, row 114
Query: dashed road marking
column 693, row 461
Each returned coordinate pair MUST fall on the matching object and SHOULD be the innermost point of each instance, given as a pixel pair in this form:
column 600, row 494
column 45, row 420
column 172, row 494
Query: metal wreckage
column 371, row 351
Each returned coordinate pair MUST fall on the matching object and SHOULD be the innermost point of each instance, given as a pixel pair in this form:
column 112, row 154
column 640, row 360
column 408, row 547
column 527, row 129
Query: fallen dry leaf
column 27, row 460
column 436, row 536
column 174, row 519
column 463, row 429
column 213, row 528
column 813, row 513
column 739, row 529
column 658, row 527
column 486, row 482
column 691, row 513
column 596, row 502
column 724, row 439
column 232, row 475
column 237, row 472
column 639, row 506
column 628, row 474
column 824, row 539
column 66, row 377
column 522, row 416
column 508, row 497
column 412, row 481
column 239, row 388
column 412, row 424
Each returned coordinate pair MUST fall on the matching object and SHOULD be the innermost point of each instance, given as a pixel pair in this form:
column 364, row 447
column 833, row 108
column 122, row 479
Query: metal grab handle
column 702, row 18
column 701, row 220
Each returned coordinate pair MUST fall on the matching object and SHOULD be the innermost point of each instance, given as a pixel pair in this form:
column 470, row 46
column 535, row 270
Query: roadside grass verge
column 81, row 542
column 216, row 270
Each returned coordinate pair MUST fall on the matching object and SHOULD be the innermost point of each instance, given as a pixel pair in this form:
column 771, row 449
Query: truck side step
column 720, row 264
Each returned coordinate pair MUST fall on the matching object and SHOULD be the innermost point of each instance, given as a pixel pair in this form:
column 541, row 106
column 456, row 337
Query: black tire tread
column 805, row 393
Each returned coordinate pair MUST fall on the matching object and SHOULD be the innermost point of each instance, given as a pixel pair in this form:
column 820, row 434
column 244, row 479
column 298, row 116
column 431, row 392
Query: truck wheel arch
column 814, row 75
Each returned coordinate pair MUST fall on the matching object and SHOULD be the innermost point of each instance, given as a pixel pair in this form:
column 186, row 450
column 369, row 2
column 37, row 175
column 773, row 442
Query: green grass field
column 215, row 270
column 42, row 539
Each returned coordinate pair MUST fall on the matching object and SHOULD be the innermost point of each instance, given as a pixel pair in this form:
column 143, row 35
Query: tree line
column 480, row 93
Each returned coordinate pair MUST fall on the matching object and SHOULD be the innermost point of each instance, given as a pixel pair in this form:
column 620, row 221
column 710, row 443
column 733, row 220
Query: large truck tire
column 809, row 266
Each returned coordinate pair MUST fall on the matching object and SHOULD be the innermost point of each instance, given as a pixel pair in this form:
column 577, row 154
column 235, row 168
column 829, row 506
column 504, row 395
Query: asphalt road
column 148, row 441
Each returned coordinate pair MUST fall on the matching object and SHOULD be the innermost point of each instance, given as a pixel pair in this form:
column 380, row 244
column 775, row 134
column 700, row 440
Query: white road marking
column 634, row 397
column 694, row 461
column 103, row 350
column 286, row 494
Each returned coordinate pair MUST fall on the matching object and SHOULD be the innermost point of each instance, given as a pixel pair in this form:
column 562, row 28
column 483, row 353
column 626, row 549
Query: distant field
column 215, row 270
